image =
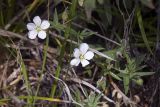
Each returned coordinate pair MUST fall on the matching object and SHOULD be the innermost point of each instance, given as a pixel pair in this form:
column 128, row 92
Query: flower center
column 81, row 57
column 38, row 28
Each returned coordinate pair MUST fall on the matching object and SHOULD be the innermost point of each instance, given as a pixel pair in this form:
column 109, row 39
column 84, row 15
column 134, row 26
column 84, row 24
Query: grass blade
column 140, row 22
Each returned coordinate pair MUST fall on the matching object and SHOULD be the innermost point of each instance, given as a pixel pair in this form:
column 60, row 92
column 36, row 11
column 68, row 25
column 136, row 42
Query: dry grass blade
column 67, row 90
column 12, row 34
column 92, row 87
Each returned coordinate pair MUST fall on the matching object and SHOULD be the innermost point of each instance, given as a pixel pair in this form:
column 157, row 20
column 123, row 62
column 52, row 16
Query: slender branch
column 97, row 34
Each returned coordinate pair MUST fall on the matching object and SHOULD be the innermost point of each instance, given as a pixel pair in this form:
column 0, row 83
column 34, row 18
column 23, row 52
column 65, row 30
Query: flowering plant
column 38, row 28
column 82, row 55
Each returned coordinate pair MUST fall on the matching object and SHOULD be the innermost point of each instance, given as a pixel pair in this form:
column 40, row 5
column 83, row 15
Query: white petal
column 89, row 55
column 84, row 62
column 45, row 24
column 76, row 53
column 37, row 20
column 75, row 62
column 83, row 48
column 31, row 26
column 42, row 34
column 32, row 34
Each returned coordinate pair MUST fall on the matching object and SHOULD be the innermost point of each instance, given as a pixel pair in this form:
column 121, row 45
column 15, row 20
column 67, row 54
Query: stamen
column 38, row 28
column 81, row 56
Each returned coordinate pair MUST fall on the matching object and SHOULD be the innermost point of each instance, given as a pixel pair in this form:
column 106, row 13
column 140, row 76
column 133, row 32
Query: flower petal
column 42, row 34
column 45, row 24
column 75, row 62
column 32, row 34
column 83, row 48
column 37, row 20
column 89, row 55
column 84, row 62
column 31, row 26
column 76, row 53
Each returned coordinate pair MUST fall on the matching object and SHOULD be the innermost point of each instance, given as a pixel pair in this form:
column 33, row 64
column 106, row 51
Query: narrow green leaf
column 140, row 68
column 27, row 84
column 73, row 9
column 126, row 83
column 140, row 22
column 55, row 20
column 142, row 74
column 43, row 65
column 1, row 17
column 115, row 76
column 89, row 6
column 108, row 12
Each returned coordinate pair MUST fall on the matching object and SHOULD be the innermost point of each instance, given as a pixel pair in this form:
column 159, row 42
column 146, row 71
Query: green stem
column 43, row 66
column 62, row 52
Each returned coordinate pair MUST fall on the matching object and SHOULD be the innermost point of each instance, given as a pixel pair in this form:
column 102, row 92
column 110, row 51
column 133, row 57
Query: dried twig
column 77, row 80
column 125, row 98
column 68, row 91
column 6, row 33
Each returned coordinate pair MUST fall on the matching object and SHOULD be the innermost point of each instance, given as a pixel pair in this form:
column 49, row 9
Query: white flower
column 82, row 55
column 37, row 28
